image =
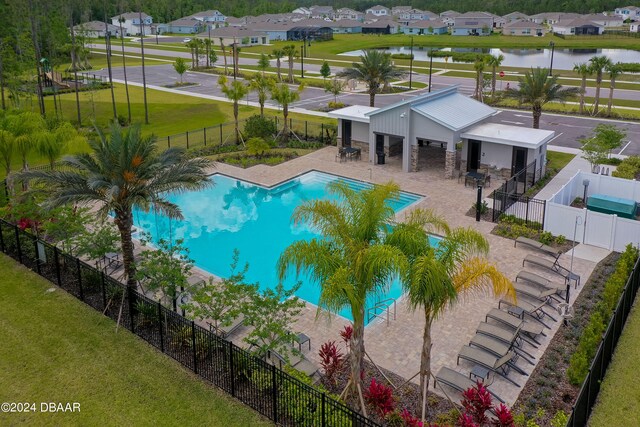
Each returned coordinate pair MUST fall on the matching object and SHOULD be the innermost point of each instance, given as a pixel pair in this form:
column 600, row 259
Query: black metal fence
column 224, row 133
column 591, row 386
column 262, row 386
column 510, row 197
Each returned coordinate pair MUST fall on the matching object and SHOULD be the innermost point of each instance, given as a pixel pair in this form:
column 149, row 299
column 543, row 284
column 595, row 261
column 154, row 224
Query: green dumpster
column 624, row 208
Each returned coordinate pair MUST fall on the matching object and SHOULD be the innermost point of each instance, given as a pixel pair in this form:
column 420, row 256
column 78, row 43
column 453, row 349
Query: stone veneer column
column 415, row 150
column 449, row 164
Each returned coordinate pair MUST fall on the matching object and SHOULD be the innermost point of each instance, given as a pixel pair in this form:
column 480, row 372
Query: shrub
column 628, row 168
column 484, row 207
column 335, row 105
column 331, row 360
column 380, row 397
column 561, row 240
column 346, row 334
column 260, row 127
column 257, row 147
column 546, row 238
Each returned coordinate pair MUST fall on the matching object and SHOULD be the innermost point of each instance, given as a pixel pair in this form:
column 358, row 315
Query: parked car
column 186, row 40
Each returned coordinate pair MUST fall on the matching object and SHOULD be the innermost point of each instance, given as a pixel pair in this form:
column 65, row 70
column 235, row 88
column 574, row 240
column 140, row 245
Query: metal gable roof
column 454, row 111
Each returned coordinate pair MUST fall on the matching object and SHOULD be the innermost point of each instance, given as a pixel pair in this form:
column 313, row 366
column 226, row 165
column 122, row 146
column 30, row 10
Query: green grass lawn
column 558, row 160
column 619, row 399
column 56, row 349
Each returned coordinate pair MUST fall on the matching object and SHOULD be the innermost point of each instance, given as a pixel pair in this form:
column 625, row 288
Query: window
column 254, row 40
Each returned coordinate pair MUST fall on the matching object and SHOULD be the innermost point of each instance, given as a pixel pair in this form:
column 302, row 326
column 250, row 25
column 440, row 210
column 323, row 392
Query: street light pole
column 411, row 65
column 430, row 66
column 304, row 42
column 553, row 48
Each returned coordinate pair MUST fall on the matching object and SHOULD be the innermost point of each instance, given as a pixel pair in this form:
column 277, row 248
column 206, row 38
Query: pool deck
column 397, row 346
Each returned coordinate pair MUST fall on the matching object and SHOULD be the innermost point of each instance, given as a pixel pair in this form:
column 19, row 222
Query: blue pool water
column 235, row 214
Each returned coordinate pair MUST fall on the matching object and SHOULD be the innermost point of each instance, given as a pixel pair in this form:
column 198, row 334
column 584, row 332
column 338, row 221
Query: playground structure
column 52, row 78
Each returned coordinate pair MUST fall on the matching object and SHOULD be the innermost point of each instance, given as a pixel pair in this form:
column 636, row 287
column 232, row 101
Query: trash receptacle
column 381, row 156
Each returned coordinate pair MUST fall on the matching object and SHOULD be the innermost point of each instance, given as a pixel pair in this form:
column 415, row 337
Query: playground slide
column 57, row 79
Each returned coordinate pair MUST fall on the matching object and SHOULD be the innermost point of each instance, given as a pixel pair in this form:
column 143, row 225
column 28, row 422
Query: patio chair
column 553, row 266
column 457, row 381
column 543, row 283
column 299, row 362
column 225, row 331
column 529, row 330
column 498, row 365
column 495, row 346
column 533, row 309
column 341, row 155
column 555, row 253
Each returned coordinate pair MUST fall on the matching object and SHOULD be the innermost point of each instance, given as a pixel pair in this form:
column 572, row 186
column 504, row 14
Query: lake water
column 563, row 59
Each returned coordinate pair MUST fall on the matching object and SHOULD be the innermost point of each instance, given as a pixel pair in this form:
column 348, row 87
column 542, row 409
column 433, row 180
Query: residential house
column 634, row 27
column 515, row 16
column 378, row 11
column 605, row 20
column 448, row 16
column 396, row 10
column 132, row 25
column 346, row 26
column 498, row 21
column 210, row 16
column 97, row 29
column 425, row 27
column 380, row 26
column 551, row 18
column 411, row 130
column 311, row 29
column 321, row 12
column 472, row 24
column 302, row 11
column 232, row 21
column 577, row 26
column 407, row 16
column 629, row 12
column 348, row 14
column 241, row 35
column 185, row 26
column 523, row 28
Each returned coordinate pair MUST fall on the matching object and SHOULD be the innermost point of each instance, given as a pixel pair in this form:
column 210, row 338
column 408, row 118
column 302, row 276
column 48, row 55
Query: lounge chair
column 458, row 381
column 299, row 362
column 530, row 329
column 552, row 266
column 506, row 335
column 543, row 283
column 532, row 308
column 225, row 331
column 494, row 346
column 539, row 246
column 498, row 365
column 541, row 294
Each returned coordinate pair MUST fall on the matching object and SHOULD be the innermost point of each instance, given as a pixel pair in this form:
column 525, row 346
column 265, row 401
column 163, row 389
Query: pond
column 563, row 59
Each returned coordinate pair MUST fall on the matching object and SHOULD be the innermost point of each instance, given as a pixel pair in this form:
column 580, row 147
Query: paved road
column 467, row 84
column 569, row 129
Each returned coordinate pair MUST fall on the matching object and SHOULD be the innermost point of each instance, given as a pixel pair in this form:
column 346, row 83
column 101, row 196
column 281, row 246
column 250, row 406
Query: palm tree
column 207, row 45
column 349, row 262
column 291, row 53
column 436, row 277
column 121, row 20
column 263, row 63
column 278, row 54
column 7, row 149
column 261, row 84
column 614, row 71
column 283, row 95
column 234, row 91
column 584, row 70
column 478, row 65
column 375, row 69
column 224, row 54
column 122, row 172
column 598, row 65
column 494, row 62
column 537, row 88
column 24, row 126
column 51, row 143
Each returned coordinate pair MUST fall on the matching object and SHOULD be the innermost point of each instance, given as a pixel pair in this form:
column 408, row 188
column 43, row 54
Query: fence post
column 204, row 131
column 79, row 272
column 160, row 327
column 220, row 133
column 322, row 133
column 232, row 370
column 104, row 293
column 193, row 341
column 35, row 246
column 131, row 308
column 324, row 412
column 306, row 133
column 187, row 140
column 56, row 257
column 168, row 142
column 526, row 215
column 274, row 394
column 18, row 247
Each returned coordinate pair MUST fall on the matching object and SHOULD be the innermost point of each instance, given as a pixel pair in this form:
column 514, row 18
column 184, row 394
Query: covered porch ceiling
column 509, row 135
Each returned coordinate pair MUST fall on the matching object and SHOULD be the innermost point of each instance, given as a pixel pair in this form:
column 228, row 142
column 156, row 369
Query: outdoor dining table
column 352, row 153
column 473, row 177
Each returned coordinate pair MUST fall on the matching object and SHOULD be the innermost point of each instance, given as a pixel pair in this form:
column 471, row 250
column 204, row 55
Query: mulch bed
column 548, row 387
column 438, row 408
column 487, row 216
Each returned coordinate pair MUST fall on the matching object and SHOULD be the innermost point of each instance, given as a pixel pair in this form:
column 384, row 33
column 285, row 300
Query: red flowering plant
column 380, row 397
column 346, row 335
column 331, row 360
column 477, row 403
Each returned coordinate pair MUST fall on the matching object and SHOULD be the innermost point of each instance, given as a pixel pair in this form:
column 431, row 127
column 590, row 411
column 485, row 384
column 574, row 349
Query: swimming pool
column 235, row 214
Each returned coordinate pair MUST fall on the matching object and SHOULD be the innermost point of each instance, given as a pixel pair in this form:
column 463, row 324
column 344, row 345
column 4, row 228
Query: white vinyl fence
column 606, row 231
